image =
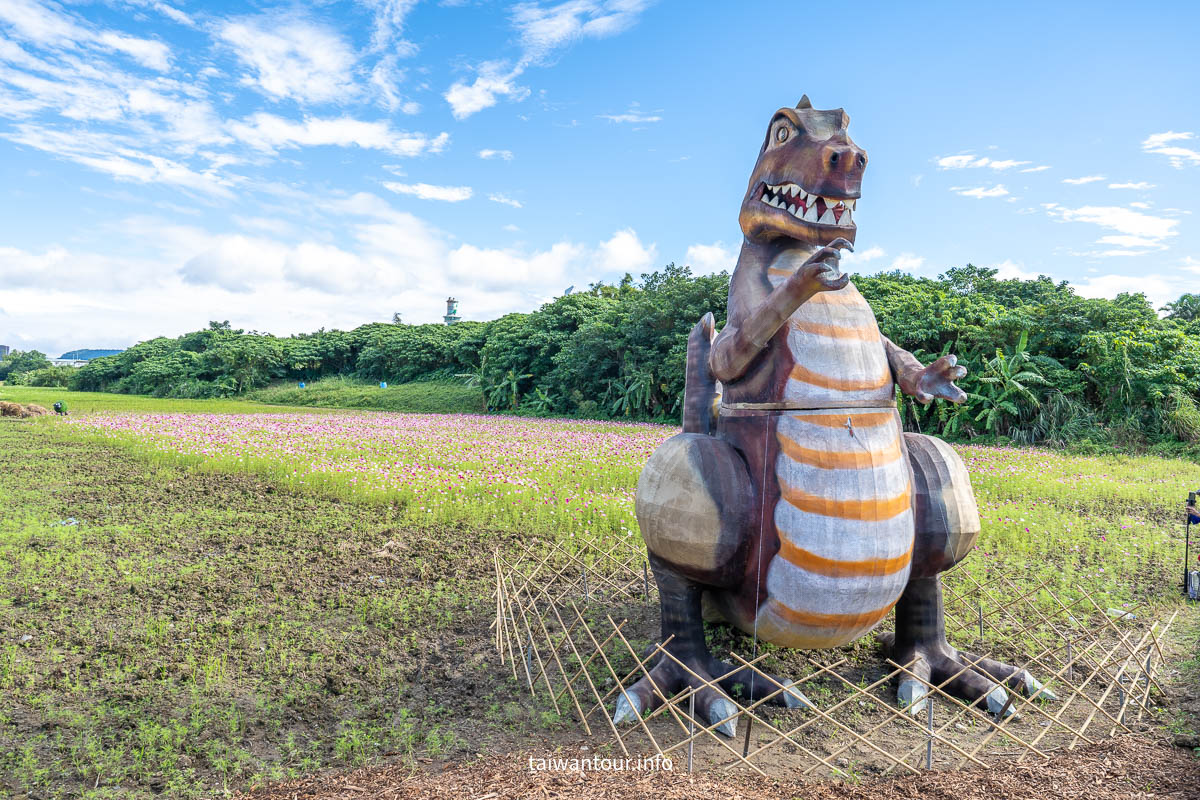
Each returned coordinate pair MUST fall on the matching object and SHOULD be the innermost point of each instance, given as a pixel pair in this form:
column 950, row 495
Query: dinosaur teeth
column 808, row 207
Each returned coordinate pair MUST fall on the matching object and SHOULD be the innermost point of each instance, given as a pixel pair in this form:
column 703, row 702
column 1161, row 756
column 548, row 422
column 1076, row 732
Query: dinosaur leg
column 947, row 525
column 693, row 665
column 920, row 644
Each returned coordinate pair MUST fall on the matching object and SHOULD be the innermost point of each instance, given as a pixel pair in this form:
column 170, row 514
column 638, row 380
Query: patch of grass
column 422, row 397
column 165, row 631
column 93, row 402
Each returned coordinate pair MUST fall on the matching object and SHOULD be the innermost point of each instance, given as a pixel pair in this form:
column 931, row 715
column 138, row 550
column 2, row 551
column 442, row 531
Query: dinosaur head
column 807, row 179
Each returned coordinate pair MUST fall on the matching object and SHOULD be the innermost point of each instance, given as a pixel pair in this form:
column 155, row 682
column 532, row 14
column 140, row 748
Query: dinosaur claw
column 722, row 709
column 912, row 696
column 794, row 698
column 1035, row 689
column 997, row 701
column 629, row 708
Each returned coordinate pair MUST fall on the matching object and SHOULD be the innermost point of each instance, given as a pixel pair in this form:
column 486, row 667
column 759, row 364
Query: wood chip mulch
column 1120, row 769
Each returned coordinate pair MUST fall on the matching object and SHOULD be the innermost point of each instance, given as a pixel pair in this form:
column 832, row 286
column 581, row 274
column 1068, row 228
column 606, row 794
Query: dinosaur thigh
column 693, row 505
column 944, row 510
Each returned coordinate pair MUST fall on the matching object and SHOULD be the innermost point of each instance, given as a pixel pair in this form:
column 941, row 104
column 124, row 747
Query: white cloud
column 1083, row 180
column 543, row 31
column 706, row 259
column 980, row 192
column 425, row 191
column 112, row 155
column 907, row 262
column 1140, row 185
column 1126, row 241
column 1139, row 204
column 491, row 269
column 386, row 76
column 268, row 132
column 41, row 24
column 490, row 83
column 327, row 268
column 497, row 197
column 389, row 23
column 486, row 154
column 1122, row 220
column 862, row 256
column 1179, row 156
column 633, row 115
column 969, row 161
column 1013, row 270
column 1041, row 168
column 624, row 252
column 292, row 58
column 236, row 263
column 1159, row 289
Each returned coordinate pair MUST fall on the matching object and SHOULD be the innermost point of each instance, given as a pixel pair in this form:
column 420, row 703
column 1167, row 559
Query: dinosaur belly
column 837, row 354
column 845, row 526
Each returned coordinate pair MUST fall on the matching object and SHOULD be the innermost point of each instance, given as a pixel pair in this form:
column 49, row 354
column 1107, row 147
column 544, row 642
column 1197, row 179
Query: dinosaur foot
column 967, row 676
column 668, row 677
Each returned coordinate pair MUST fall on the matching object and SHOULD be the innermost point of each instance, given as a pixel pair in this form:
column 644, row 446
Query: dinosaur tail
column 701, row 392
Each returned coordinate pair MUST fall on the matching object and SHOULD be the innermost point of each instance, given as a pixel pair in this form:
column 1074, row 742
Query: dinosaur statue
column 793, row 505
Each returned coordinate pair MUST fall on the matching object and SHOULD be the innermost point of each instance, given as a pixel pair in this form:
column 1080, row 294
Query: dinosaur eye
column 781, row 134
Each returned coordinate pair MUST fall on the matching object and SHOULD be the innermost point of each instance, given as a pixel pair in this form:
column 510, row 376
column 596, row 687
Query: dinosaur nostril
column 862, row 160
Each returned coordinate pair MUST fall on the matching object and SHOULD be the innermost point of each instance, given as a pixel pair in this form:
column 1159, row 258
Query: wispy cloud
column 970, row 161
column 268, row 132
column 1040, row 168
column 633, row 115
column 42, row 24
column 1083, row 180
column 486, row 154
column 543, row 33
column 979, row 192
column 291, row 57
column 1139, row 185
column 497, row 197
column 117, row 157
column 426, row 191
column 1180, row 157
column 1133, row 229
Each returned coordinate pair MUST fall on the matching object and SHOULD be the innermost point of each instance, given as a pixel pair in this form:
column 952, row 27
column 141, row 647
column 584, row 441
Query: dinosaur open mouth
column 807, row 207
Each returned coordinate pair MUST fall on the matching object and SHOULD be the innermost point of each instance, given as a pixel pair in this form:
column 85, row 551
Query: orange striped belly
column 845, row 527
column 837, row 352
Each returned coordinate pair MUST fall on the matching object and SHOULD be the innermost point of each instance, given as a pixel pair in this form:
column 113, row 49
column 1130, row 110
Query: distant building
column 3, row 350
column 88, row 355
column 451, row 311
column 68, row 362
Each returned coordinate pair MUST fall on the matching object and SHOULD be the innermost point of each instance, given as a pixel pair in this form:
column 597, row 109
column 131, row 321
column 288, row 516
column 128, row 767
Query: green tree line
column 1044, row 364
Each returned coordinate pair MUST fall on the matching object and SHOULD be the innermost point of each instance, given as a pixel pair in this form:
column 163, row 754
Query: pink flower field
column 450, row 468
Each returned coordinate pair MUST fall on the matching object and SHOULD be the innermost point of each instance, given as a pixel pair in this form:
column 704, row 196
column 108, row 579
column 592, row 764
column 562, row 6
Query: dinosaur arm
column 922, row 382
column 738, row 345
column 740, row 342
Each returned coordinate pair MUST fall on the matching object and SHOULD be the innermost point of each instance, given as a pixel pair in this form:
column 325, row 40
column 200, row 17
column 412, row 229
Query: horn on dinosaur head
column 804, row 102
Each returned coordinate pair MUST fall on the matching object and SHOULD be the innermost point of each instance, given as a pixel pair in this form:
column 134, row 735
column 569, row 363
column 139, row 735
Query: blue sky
column 298, row 165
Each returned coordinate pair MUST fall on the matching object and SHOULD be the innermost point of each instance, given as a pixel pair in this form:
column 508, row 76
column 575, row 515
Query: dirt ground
column 1119, row 769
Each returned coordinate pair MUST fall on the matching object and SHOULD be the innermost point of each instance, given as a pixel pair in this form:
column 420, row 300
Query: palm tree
column 1004, row 387
column 1186, row 308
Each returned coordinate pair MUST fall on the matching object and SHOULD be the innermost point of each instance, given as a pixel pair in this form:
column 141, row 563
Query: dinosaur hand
column 822, row 271
column 937, row 381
